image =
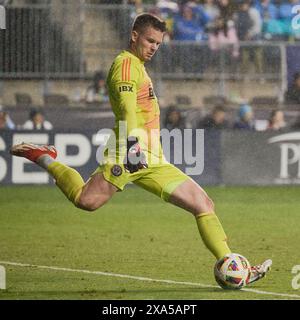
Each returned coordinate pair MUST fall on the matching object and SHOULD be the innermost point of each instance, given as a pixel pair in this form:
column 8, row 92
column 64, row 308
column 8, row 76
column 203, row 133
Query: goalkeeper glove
column 135, row 159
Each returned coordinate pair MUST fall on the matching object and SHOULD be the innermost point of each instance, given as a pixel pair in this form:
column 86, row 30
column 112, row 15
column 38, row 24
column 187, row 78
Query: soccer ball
column 232, row 271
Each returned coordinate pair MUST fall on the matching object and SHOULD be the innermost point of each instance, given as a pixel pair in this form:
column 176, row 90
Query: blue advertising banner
column 260, row 158
column 210, row 157
column 196, row 153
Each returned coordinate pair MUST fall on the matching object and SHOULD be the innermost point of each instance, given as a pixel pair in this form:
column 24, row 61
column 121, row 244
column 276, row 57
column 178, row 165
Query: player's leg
column 88, row 196
column 191, row 197
column 95, row 193
column 173, row 186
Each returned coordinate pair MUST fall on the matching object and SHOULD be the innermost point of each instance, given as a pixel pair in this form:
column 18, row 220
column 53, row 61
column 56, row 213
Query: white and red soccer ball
column 232, row 271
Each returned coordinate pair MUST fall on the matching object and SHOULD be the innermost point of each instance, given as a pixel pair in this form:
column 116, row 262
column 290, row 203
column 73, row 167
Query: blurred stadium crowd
column 221, row 117
column 235, row 20
column 232, row 19
column 196, row 20
column 216, row 23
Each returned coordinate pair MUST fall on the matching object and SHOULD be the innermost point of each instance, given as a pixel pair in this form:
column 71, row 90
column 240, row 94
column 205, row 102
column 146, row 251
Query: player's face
column 146, row 43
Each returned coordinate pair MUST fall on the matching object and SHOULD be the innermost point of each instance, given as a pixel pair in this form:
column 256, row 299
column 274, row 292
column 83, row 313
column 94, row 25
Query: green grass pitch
column 139, row 235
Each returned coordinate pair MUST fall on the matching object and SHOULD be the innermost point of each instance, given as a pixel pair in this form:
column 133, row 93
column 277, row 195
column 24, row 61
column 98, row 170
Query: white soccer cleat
column 259, row 271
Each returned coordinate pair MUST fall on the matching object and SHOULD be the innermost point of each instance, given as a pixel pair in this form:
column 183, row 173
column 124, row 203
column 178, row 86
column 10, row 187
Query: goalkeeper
column 134, row 154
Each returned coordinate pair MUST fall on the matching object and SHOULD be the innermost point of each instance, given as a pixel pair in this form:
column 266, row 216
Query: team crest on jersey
column 116, row 170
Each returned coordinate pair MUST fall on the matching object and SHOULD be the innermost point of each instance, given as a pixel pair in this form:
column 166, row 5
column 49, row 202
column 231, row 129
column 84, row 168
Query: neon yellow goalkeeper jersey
column 133, row 100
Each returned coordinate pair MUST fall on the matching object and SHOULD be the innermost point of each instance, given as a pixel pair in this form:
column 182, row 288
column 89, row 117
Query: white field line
column 117, row 275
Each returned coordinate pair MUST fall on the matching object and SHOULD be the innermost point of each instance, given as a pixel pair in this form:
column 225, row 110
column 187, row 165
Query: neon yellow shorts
column 161, row 179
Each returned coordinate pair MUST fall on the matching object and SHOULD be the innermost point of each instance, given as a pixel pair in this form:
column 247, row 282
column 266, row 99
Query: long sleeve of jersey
column 124, row 84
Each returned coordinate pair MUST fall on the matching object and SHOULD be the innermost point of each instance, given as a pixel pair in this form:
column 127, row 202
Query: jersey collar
column 133, row 56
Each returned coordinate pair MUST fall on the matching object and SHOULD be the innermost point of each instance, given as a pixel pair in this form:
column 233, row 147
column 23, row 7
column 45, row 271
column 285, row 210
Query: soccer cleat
column 32, row 151
column 259, row 271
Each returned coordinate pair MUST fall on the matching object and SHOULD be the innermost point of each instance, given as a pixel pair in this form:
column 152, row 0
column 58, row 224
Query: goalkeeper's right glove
column 135, row 159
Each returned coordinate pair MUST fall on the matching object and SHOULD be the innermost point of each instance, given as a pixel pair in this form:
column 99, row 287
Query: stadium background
column 137, row 247
column 51, row 52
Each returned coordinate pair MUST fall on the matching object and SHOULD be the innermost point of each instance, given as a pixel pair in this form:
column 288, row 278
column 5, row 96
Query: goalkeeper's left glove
column 135, row 159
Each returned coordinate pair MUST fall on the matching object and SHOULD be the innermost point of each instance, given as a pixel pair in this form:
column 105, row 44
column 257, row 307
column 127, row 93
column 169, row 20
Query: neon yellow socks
column 212, row 234
column 67, row 179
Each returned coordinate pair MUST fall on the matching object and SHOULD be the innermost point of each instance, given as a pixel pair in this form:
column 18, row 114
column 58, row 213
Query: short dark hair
column 145, row 20
column 219, row 108
column 34, row 112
